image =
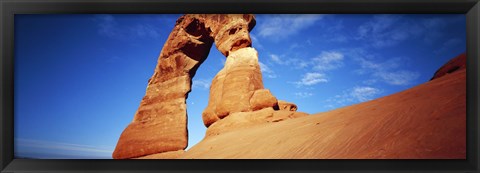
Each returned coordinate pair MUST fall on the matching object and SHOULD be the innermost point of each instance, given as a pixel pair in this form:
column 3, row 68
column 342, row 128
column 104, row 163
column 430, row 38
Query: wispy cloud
column 109, row 26
column 364, row 93
column 388, row 71
column 311, row 79
column 386, row 30
column 296, row 63
column 353, row 95
column 282, row 26
column 201, row 84
column 303, row 94
column 389, row 30
column 401, row 77
column 66, row 148
column 255, row 42
column 276, row 59
column 448, row 45
column 317, row 66
column 328, row 61
column 332, row 31
column 267, row 71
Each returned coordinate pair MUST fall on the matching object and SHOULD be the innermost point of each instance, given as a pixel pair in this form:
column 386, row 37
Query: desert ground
column 426, row 121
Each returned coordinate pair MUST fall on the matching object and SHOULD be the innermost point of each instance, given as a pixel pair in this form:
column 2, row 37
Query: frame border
column 8, row 9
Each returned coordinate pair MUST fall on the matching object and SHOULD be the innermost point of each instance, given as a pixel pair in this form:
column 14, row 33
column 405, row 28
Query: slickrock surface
column 426, row 121
column 243, row 120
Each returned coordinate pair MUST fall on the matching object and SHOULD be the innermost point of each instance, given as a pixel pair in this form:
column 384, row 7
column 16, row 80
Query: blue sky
column 79, row 78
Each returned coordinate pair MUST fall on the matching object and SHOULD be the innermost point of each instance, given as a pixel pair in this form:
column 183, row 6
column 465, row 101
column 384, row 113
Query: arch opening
column 160, row 123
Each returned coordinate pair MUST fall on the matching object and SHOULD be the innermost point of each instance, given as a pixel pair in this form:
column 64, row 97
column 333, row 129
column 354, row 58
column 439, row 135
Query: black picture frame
column 8, row 8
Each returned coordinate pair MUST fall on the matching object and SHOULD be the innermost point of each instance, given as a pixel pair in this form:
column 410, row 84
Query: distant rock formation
column 159, row 127
column 451, row 66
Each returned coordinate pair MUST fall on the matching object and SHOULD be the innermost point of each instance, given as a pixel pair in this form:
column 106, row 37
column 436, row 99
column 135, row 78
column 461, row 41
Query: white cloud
column 145, row 30
column 402, row 77
column 281, row 26
column 267, row 71
column 311, row 79
column 388, row 71
column 328, row 61
column 353, row 95
column 255, row 42
column 386, row 30
column 201, row 84
column 364, row 93
column 300, row 64
column 296, row 63
column 303, row 94
column 276, row 59
column 390, row 30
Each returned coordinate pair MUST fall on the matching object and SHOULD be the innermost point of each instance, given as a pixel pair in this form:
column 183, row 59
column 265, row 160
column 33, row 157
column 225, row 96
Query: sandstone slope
column 426, row 121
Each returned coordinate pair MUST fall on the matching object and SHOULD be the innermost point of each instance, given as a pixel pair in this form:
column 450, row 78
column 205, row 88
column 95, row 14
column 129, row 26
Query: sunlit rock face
column 159, row 127
column 160, row 123
column 238, row 87
column 284, row 105
column 230, row 31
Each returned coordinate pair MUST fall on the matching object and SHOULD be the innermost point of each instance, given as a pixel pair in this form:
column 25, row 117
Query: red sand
column 427, row 121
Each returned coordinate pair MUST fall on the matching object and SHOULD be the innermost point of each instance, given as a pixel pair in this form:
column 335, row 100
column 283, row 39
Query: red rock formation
column 159, row 127
column 164, row 155
column 231, row 31
column 283, row 105
column 160, row 123
column 243, row 120
column 451, row 66
column 232, row 90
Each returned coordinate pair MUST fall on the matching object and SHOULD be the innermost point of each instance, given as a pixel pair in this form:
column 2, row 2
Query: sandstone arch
column 160, row 123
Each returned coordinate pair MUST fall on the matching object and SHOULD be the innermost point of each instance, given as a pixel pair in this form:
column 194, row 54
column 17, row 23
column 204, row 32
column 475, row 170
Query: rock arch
column 160, row 123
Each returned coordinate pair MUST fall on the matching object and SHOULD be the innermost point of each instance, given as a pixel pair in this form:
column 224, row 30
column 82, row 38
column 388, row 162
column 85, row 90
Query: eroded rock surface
column 451, row 66
column 160, row 123
column 283, row 105
column 242, row 120
column 164, row 155
column 231, row 31
column 237, row 99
